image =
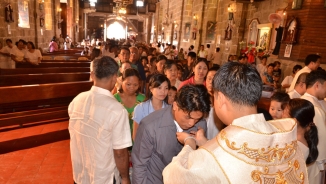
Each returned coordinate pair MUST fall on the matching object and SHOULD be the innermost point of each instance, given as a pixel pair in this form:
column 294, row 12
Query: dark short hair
column 277, row 63
column 168, row 64
column 214, row 68
column 105, row 67
column 314, row 76
column 32, row 44
column 242, row 57
column 144, row 57
column 95, row 53
column 281, row 97
column 124, row 48
column 193, row 55
column 130, row 72
column 155, row 81
column 217, row 49
column 173, row 88
column 296, row 67
column 303, row 111
column 311, row 58
column 161, row 57
column 8, row 40
column 271, row 64
column 192, row 47
column 302, row 78
column 264, row 57
column 152, row 60
column 193, row 98
column 240, row 83
column 208, row 45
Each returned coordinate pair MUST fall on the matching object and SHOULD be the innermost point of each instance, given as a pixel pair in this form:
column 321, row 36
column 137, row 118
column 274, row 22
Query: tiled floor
column 35, row 154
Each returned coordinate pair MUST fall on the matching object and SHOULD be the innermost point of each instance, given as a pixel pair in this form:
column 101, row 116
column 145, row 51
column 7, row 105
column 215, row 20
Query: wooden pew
column 44, row 102
column 28, row 79
column 53, row 64
column 43, row 70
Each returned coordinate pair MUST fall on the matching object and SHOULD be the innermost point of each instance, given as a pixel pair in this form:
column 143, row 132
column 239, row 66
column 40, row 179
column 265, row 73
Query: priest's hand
column 200, row 137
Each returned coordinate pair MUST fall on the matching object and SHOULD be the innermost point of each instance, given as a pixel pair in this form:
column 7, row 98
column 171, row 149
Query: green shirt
column 140, row 98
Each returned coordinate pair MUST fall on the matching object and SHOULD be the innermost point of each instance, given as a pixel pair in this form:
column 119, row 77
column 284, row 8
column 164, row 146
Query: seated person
column 267, row 77
column 277, row 70
column 288, row 79
column 86, row 52
column 279, row 100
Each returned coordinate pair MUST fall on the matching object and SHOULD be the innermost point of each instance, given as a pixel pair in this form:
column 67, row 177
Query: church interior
column 34, row 99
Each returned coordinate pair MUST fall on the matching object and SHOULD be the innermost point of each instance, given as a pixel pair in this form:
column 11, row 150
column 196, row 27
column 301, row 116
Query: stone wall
column 41, row 36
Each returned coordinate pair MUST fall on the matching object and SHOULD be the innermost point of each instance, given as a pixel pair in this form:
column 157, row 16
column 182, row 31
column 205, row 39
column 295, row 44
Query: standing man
column 316, row 92
column 202, row 53
column 99, row 130
column 312, row 62
column 156, row 142
column 249, row 149
column 209, row 53
column 217, row 58
column 188, row 68
column 135, row 60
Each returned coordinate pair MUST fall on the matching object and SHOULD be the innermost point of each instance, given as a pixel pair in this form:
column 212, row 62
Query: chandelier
column 122, row 11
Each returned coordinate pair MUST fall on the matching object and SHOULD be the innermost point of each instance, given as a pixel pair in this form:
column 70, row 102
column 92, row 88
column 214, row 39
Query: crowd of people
column 21, row 51
column 185, row 121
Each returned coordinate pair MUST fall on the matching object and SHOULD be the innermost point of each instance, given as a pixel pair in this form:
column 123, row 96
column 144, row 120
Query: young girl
column 159, row 86
column 200, row 68
column 303, row 112
column 171, row 72
column 171, row 95
column 279, row 101
column 128, row 94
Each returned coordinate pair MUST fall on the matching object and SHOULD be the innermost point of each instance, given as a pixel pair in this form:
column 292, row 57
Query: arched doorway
column 116, row 31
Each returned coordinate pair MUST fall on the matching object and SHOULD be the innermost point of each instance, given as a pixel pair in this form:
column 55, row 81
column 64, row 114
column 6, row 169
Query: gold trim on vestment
column 288, row 176
column 268, row 154
column 281, row 131
column 259, row 154
column 218, row 163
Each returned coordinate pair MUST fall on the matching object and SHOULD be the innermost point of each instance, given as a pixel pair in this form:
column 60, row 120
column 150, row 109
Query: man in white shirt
column 99, row 130
column 217, row 57
column 209, row 53
column 288, row 79
column 316, row 92
column 7, row 62
column 202, row 53
column 106, row 51
column 300, row 87
column 312, row 62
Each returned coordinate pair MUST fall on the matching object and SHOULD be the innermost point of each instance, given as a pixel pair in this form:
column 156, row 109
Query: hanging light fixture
column 140, row 3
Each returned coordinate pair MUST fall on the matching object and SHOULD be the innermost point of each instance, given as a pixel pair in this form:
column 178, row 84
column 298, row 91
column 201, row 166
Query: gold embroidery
column 218, row 163
column 287, row 176
column 281, row 131
column 268, row 154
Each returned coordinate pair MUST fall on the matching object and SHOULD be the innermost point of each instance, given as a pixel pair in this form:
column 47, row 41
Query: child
column 171, row 95
column 279, row 101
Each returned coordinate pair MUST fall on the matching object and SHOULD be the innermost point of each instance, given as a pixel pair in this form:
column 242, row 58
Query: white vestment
column 294, row 94
column 303, row 70
column 319, row 120
column 250, row 150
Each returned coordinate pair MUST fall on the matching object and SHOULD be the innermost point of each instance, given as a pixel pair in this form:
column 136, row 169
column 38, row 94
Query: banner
column 23, row 14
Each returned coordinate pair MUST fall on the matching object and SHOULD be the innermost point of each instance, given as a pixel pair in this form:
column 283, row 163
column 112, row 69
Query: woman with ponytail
column 303, row 112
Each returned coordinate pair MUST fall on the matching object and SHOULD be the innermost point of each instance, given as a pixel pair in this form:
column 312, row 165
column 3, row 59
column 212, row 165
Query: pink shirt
column 189, row 81
column 53, row 46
